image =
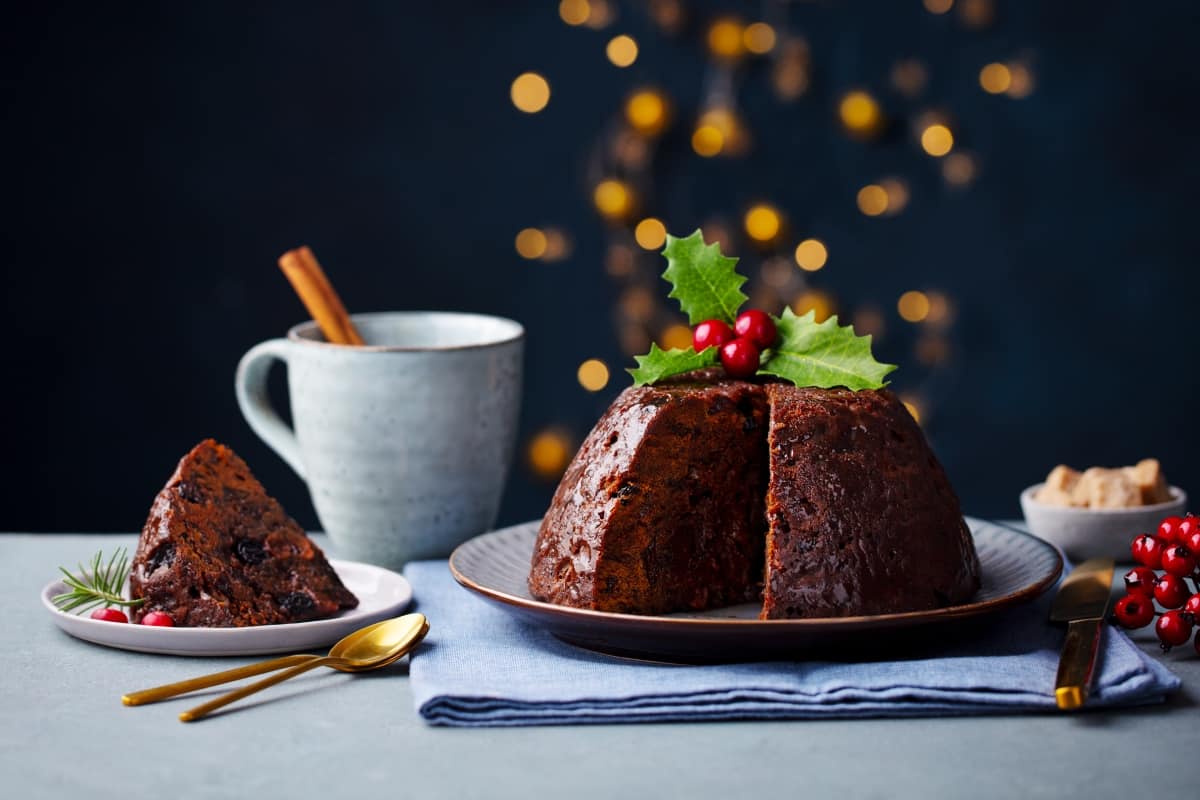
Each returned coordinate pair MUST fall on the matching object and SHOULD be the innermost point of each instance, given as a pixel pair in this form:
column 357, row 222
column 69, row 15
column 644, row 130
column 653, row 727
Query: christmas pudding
column 767, row 462
column 217, row 551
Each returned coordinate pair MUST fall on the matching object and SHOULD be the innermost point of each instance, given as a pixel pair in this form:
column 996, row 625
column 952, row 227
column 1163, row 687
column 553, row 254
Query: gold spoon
column 381, row 645
column 339, row 651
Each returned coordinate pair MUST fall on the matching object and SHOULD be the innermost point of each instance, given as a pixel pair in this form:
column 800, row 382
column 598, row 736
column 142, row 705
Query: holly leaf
column 702, row 280
column 809, row 353
column 659, row 363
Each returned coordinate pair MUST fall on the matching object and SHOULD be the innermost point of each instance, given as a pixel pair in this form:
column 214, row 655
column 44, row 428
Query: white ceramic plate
column 381, row 594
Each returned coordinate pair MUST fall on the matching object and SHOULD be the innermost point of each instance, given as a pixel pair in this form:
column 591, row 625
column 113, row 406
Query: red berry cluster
column 1174, row 549
column 159, row 619
column 741, row 347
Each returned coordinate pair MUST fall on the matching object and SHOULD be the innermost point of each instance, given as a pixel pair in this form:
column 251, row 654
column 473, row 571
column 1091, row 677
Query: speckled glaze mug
column 405, row 442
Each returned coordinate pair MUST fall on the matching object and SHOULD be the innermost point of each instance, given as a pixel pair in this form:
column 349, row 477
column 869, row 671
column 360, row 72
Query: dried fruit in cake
column 218, row 551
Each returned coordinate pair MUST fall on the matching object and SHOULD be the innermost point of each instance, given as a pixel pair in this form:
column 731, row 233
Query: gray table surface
column 64, row 731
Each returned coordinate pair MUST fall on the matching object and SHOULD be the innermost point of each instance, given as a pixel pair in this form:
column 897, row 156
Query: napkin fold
column 480, row 667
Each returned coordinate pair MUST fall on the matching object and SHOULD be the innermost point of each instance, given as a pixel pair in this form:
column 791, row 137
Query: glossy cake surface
column 702, row 492
column 217, row 551
column 661, row 509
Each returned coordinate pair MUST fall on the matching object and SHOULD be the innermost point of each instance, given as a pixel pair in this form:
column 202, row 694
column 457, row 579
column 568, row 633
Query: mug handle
column 251, row 387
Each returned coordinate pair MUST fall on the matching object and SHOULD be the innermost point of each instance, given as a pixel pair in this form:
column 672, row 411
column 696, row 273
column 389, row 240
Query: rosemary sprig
column 99, row 586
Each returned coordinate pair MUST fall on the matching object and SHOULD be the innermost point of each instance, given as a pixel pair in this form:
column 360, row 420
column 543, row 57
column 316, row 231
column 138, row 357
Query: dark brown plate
column 1017, row 567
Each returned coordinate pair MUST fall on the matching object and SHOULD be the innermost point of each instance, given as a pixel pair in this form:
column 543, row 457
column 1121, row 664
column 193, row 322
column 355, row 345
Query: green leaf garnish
column 659, row 363
column 102, row 584
column 703, row 281
column 811, row 353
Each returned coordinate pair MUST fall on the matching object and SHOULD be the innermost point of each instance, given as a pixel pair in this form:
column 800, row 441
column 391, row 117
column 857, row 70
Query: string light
column 592, row 374
column 637, row 303
column 937, row 140
column 548, row 453
column 913, row 306
column 1021, row 84
column 938, row 6
column 707, row 141
column 976, row 14
column 716, row 231
column 646, row 111
column 872, row 200
column 777, row 272
column 650, row 233
column 941, row 312
column 909, row 77
column 860, row 114
column 634, row 339
column 719, row 131
column 676, row 337
column 995, row 78
column 958, row 169
column 759, row 38
column 613, row 199
column 814, row 300
column 811, row 255
column 531, row 243
column 869, row 322
column 789, row 75
column 622, row 50
column 762, row 222
column 530, row 92
column 725, row 39
column 600, row 15
column 897, row 195
column 574, row 12
column 668, row 14
column 619, row 260
column 932, row 350
column 558, row 245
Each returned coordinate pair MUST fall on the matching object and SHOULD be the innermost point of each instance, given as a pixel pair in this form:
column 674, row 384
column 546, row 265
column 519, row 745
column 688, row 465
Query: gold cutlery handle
column 217, row 678
column 1077, row 662
column 225, row 699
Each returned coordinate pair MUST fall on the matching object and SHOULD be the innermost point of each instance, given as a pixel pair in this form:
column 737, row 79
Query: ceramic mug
column 405, row 442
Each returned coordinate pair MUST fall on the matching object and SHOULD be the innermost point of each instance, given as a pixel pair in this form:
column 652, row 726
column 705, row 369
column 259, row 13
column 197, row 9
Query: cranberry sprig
column 1174, row 548
column 740, row 348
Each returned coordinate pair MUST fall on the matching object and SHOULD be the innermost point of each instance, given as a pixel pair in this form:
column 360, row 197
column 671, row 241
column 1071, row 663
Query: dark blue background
column 158, row 158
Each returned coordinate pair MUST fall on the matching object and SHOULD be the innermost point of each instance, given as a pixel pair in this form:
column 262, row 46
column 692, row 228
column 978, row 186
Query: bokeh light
column 868, row 321
column 932, row 349
column 1021, row 84
column 762, row 222
column 613, row 199
column 860, row 114
column 872, row 200
column 574, row 12
column 941, row 310
column 619, row 260
column 790, row 71
column 676, row 337
column 650, row 233
column 777, row 272
column 913, row 306
column 707, row 140
column 959, row 169
column 549, row 452
column 725, row 40
column 811, row 255
column 600, row 15
column 938, row 6
column 976, row 14
column 622, row 50
column 995, row 78
column 530, row 92
column 814, row 300
column 759, row 38
column 592, row 374
column 647, row 111
column 637, row 303
column 937, row 140
column 531, row 243
column 558, row 245
column 909, row 77
column 897, row 195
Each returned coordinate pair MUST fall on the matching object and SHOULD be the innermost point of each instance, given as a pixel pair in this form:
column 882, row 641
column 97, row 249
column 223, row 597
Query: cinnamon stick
column 317, row 293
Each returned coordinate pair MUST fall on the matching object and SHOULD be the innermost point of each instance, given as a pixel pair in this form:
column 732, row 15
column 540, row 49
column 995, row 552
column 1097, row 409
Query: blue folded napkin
column 481, row 667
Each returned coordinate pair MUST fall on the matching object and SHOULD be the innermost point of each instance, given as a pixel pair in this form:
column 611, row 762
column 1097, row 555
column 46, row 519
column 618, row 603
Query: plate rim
column 825, row 624
column 221, row 642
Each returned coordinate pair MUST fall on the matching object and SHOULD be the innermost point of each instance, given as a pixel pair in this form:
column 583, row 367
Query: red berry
column 756, row 326
column 1147, row 551
column 1174, row 627
column 109, row 615
column 1178, row 560
column 158, row 618
column 710, row 333
column 1171, row 591
column 740, row 357
column 1140, row 580
column 1192, row 541
column 1134, row 611
column 1187, row 526
column 1168, row 529
column 1192, row 606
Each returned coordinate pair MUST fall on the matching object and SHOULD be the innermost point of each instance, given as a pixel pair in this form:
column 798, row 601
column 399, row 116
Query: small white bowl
column 1085, row 533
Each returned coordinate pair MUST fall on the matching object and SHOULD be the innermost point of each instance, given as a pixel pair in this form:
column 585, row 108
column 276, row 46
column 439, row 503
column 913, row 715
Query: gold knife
column 1081, row 603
